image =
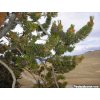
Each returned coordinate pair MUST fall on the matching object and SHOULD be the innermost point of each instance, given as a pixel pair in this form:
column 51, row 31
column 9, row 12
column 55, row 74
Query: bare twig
column 11, row 72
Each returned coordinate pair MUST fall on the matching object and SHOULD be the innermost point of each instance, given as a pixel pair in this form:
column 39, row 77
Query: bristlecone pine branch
column 23, row 51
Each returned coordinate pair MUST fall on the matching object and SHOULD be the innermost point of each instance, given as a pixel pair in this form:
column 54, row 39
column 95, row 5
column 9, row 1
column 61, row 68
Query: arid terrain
column 86, row 73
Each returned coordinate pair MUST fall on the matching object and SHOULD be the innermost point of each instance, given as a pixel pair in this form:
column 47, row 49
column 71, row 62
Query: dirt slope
column 87, row 72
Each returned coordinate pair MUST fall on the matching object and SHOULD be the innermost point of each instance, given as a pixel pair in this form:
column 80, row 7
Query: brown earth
column 86, row 73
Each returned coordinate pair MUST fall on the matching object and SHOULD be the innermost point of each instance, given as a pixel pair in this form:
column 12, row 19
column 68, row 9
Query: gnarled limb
column 11, row 72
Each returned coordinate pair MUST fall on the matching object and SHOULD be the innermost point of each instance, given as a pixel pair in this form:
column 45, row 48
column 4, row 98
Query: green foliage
column 23, row 51
column 63, row 64
column 35, row 16
column 84, row 31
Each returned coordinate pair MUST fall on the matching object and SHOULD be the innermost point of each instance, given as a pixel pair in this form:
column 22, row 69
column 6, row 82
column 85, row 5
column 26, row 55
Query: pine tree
column 22, row 52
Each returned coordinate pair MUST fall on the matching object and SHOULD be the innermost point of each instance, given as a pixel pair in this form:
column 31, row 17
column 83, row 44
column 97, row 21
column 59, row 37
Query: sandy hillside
column 86, row 73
